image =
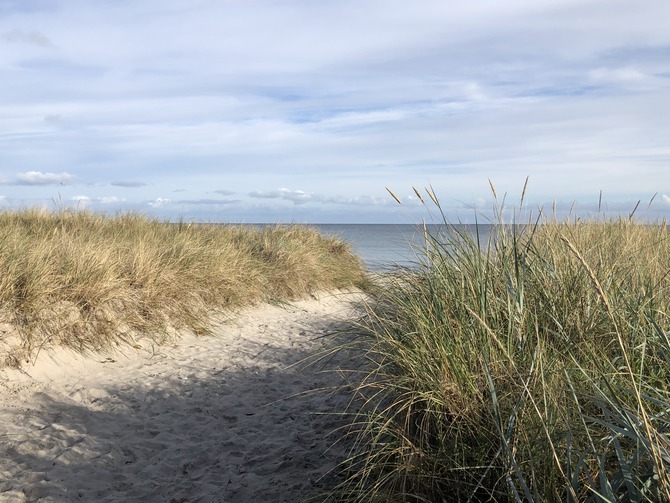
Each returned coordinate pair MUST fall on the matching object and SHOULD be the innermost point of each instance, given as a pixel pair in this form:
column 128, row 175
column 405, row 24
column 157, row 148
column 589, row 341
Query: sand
column 228, row 417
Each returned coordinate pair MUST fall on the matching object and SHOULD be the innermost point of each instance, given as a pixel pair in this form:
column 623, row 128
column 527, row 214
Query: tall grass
column 87, row 281
column 533, row 367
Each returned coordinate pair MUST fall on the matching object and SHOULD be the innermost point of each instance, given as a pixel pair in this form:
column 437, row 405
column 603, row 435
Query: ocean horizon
column 386, row 246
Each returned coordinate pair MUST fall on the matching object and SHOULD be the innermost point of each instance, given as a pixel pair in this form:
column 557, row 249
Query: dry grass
column 89, row 281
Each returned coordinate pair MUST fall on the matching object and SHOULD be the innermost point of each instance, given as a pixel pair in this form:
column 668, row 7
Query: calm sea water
column 384, row 246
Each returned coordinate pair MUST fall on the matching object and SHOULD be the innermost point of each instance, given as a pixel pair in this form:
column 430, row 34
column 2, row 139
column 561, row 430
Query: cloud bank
column 335, row 100
column 39, row 178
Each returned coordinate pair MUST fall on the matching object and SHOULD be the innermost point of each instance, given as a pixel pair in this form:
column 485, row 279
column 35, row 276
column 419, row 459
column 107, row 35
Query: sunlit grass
column 89, row 281
column 532, row 367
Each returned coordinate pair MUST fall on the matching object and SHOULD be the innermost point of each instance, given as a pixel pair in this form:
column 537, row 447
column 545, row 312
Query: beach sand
column 233, row 416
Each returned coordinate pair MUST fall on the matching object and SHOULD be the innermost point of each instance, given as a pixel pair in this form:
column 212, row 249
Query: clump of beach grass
column 89, row 281
column 534, row 366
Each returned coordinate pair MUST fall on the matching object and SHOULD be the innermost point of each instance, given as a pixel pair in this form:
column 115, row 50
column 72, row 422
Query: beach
column 233, row 415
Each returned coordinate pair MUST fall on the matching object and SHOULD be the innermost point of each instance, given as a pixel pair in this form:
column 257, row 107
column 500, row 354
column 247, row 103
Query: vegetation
column 532, row 367
column 89, row 281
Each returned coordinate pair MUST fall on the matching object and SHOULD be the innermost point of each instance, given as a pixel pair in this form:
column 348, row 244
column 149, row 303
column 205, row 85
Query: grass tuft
column 89, row 281
column 533, row 367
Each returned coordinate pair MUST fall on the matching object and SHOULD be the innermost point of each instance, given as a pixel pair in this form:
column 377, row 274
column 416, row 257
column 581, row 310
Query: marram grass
column 534, row 367
column 89, row 281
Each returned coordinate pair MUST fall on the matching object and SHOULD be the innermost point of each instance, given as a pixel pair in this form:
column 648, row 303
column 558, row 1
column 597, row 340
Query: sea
column 383, row 247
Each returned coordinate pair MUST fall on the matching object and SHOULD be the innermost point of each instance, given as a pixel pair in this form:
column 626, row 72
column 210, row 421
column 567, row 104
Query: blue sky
column 304, row 111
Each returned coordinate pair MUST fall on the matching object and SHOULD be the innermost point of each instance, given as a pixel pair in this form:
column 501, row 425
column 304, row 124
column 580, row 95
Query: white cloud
column 365, row 118
column 627, row 77
column 479, row 203
column 355, row 200
column 39, row 178
column 625, row 74
column 296, row 196
column 666, row 199
column 208, row 202
column 81, row 201
column 299, row 197
column 159, row 202
column 109, row 200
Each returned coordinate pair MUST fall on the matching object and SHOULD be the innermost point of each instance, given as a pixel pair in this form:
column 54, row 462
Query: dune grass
column 533, row 367
column 89, row 281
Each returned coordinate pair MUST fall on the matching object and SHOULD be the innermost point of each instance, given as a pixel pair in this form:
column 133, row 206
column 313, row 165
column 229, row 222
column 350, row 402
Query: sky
column 306, row 111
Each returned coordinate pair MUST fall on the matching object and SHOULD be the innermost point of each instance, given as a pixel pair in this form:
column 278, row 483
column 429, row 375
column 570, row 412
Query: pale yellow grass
column 89, row 281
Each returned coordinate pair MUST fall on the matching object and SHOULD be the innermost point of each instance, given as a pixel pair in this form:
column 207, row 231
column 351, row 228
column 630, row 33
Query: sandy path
column 221, row 418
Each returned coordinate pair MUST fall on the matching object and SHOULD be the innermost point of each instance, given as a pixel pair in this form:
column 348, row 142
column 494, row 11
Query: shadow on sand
column 221, row 432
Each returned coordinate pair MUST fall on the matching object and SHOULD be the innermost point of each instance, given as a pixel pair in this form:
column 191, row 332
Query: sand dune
column 231, row 417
